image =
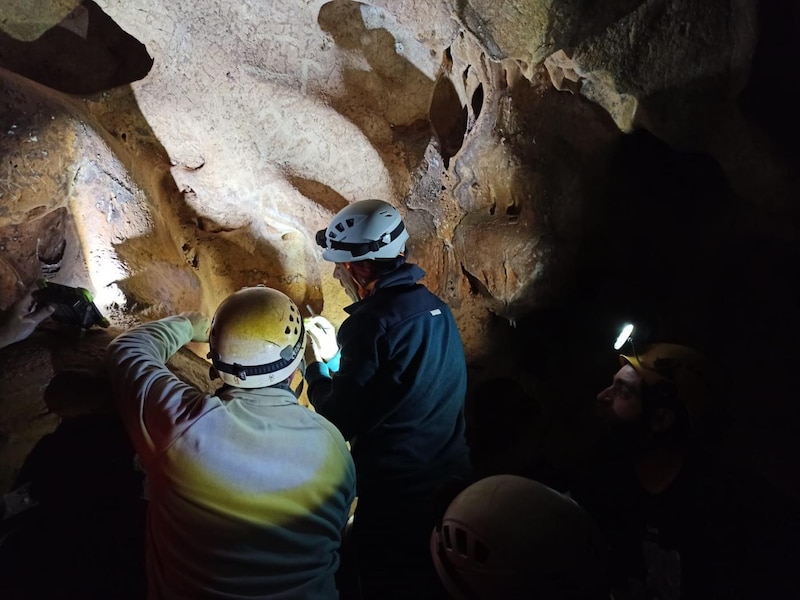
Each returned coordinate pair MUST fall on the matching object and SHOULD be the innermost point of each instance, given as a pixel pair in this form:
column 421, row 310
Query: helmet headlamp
column 624, row 336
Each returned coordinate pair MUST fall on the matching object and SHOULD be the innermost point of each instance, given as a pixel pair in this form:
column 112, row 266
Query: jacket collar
column 266, row 396
column 404, row 275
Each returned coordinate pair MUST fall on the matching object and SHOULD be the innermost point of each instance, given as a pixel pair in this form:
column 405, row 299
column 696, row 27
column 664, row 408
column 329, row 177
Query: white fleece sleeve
column 156, row 407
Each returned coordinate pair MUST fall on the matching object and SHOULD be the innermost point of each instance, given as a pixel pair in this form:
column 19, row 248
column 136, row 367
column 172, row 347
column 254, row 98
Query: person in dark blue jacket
column 394, row 384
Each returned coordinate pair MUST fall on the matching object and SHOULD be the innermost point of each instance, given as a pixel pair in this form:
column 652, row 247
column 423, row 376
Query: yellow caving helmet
column 257, row 338
column 683, row 367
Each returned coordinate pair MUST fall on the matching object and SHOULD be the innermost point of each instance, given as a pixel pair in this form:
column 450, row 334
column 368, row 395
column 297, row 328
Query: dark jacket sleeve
column 398, row 396
column 346, row 399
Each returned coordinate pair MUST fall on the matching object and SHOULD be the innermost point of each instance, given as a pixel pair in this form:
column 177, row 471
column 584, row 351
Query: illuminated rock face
column 164, row 154
column 256, row 122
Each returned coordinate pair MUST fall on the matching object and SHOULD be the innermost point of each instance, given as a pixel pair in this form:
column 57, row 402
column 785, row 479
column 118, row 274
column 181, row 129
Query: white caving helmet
column 510, row 537
column 364, row 230
column 257, row 338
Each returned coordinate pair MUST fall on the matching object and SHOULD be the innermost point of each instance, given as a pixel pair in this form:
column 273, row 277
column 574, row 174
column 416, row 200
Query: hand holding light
column 322, row 334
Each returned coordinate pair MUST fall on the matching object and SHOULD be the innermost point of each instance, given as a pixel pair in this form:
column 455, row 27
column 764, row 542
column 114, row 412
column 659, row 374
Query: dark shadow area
column 477, row 101
column 669, row 250
column 85, row 538
column 651, row 254
column 506, row 432
column 320, row 193
column 771, row 93
column 415, row 138
column 84, row 54
column 487, row 412
column 448, row 119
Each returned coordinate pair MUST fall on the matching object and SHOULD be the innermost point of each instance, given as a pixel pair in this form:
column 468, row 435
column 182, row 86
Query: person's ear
column 663, row 420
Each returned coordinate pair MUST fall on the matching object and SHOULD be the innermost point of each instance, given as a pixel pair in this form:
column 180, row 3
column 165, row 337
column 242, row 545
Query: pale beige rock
column 562, row 71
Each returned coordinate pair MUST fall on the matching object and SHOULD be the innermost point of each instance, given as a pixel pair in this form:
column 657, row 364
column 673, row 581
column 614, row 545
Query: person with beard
column 680, row 521
column 394, row 382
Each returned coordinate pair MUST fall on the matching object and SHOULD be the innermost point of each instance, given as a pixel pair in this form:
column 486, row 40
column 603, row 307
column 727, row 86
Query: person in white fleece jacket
column 249, row 491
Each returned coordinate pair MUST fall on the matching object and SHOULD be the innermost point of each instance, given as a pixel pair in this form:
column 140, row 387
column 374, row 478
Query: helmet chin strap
column 298, row 391
column 362, row 289
column 352, row 286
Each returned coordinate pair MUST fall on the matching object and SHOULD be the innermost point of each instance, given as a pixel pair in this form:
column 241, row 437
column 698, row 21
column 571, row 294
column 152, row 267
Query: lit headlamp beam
column 624, row 336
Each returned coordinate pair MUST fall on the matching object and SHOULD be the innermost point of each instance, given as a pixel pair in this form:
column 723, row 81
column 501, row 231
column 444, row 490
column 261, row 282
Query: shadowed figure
column 682, row 522
column 85, row 536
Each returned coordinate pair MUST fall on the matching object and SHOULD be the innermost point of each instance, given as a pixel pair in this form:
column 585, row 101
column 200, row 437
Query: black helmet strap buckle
column 361, row 248
column 288, row 354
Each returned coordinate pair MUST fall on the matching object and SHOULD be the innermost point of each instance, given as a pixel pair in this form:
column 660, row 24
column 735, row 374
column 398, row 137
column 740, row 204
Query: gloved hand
column 323, row 338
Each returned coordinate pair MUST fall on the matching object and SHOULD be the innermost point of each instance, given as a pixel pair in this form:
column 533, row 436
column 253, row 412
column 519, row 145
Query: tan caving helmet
column 510, row 537
column 257, row 338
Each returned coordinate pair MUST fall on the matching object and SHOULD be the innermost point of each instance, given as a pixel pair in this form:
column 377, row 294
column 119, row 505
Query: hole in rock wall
column 448, row 118
column 477, row 101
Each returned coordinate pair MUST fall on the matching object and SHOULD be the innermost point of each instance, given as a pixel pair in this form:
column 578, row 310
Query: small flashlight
column 624, row 336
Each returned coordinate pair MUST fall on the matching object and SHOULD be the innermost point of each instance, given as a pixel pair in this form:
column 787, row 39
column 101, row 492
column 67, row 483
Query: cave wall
column 561, row 168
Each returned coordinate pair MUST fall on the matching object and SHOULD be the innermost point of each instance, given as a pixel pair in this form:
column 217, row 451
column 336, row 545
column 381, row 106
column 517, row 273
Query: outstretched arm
column 155, row 405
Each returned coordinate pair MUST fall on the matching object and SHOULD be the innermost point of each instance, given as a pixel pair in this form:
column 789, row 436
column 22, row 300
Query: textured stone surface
column 257, row 122
column 677, row 58
column 27, row 21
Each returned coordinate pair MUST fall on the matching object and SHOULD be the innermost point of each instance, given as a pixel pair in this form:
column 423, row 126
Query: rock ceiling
column 545, row 154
